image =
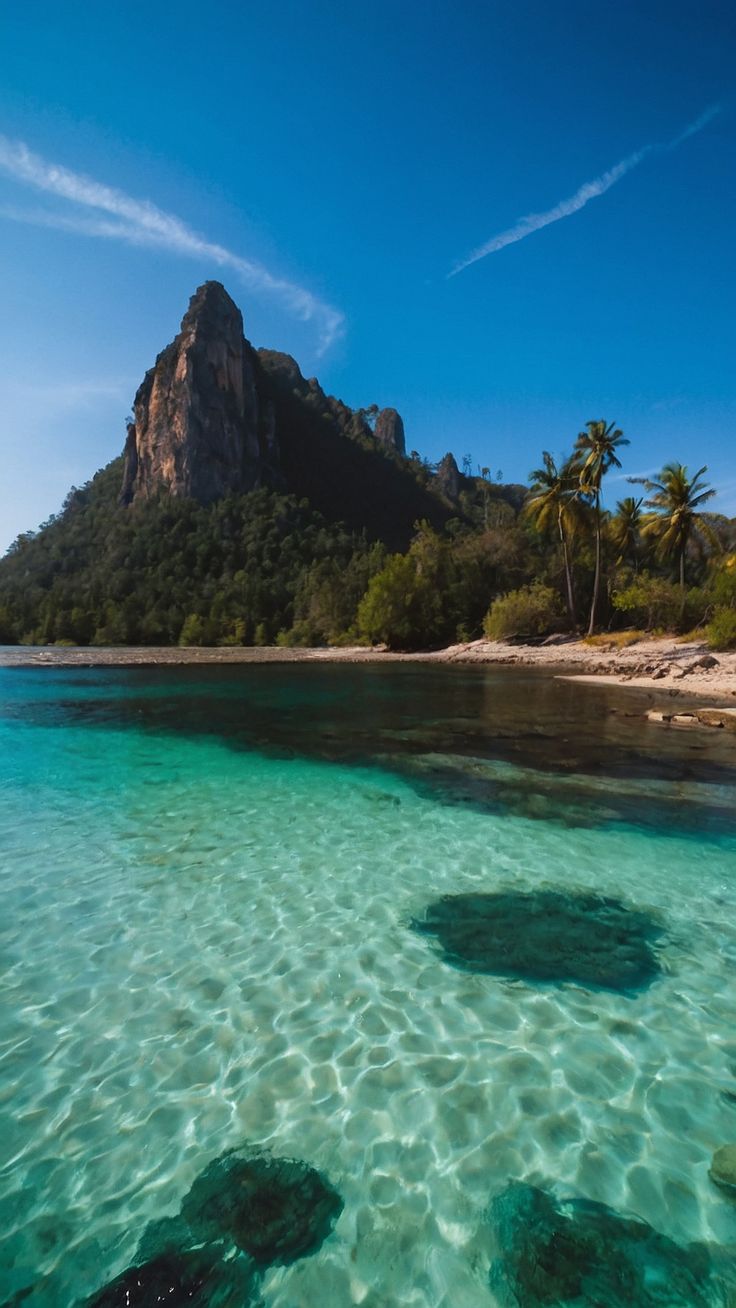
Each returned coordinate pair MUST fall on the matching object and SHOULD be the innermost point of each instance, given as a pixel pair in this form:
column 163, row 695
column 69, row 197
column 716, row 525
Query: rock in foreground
column 274, row 1209
column 198, row 1278
column 244, row 1212
column 580, row 1254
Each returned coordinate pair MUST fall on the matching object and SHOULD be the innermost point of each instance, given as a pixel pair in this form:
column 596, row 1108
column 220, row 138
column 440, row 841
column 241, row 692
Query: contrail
column 697, row 126
column 588, row 191
column 139, row 222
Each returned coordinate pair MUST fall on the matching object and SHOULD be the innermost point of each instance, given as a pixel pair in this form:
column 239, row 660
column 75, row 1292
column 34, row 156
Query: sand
column 659, row 664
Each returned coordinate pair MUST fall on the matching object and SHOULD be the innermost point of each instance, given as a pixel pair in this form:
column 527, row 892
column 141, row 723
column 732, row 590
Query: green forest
column 269, row 568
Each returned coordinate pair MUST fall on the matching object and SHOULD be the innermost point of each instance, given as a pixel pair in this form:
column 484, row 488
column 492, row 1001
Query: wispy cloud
column 588, row 191
column 139, row 222
column 633, row 476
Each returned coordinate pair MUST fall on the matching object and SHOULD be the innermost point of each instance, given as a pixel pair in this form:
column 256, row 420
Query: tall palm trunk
column 597, row 578
column 568, row 574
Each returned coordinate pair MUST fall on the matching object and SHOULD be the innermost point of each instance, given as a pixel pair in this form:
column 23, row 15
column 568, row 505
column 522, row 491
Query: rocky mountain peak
column 196, row 414
column 214, row 417
column 389, row 430
column 448, row 476
column 212, row 312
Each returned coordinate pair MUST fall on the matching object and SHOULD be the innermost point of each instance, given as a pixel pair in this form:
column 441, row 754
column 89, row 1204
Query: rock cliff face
column 200, row 428
column 215, row 417
column 448, row 476
column 390, row 430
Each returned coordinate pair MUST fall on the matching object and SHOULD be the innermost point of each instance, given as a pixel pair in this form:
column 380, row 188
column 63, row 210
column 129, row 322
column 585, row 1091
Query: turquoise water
column 208, row 884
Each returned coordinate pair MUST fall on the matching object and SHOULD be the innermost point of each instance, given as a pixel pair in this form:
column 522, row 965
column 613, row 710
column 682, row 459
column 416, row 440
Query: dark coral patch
column 274, row 1209
column 199, row 1278
column 546, row 935
column 580, row 1254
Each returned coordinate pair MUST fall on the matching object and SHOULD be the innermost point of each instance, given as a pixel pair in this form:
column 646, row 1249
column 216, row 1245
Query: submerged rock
column 199, row 1278
column 274, row 1209
column 722, row 1170
column 546, row 935
column 243, row 1213
column 581, row 1254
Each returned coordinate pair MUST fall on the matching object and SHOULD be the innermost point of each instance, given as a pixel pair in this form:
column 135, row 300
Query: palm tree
column 626, row 525
column 596, row 449
column 675, row 499
column 554, row 503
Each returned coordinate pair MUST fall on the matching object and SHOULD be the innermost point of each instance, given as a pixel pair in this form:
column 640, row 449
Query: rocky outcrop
column 199, row 427
column 389, row 430
column 215, row 417
column 448, row 477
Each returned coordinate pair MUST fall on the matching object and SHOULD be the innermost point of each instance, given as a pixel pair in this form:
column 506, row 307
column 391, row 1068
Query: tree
column 408, row 603
column 193, row 630
column 626, row 527
column 596, row 449
column 554, row 504
column 674, row 520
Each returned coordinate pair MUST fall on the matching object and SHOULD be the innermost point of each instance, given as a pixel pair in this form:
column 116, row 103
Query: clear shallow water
column 208, row 883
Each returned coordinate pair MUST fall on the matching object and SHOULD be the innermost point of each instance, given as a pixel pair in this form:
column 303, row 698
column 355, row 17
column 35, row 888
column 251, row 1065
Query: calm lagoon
column 216, row 885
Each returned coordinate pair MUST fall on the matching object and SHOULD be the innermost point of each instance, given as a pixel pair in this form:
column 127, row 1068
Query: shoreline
column 661, row 664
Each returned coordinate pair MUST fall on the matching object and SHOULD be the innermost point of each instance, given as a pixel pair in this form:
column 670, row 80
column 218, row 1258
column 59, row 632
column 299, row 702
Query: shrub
column 657, row 604
column 399, row 607
column 193, row 631
column 408, row 604
column 721, row 630
column 534, row 610
column 724, row 585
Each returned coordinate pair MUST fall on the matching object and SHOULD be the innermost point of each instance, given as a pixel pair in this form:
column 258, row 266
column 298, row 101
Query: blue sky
column 332, row 164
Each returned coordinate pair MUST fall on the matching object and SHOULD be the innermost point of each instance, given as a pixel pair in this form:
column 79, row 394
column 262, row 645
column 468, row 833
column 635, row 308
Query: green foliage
column 193, row 631
column 721, row 630
column 405, row 604
column 534, row 610
column 625, row 530
column 660, row 605
column 676, row 500
column 315, row 568
column 171, row 570
column 8, row 632
column 724, row 583
column 596, row 449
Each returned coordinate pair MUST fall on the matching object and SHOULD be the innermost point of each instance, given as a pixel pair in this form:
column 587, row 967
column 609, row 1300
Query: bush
column 193, row 631
column 534, row 610
column 721, row 630
column 724, row 584
column 400, row 608
column 408, row 604
column 656, row 604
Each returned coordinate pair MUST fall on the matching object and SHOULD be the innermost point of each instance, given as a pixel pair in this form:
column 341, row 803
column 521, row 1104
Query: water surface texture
column 211, row 880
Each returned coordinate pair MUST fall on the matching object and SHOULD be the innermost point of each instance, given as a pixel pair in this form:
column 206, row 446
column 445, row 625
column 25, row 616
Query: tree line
column 267, row 568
